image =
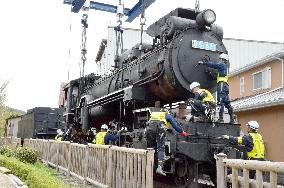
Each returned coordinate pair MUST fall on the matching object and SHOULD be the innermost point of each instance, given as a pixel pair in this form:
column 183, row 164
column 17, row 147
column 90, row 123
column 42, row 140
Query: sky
column 35, row 38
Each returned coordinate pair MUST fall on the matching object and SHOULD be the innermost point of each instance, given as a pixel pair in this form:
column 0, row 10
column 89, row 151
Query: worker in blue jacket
column 253, row 142
column 158, row 123
column 104, row 137
column 222, row 85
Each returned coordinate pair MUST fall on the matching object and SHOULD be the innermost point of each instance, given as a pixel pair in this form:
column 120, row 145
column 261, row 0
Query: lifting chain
column 118, row 35
column 197, row 6
column 142, row 23
column 83, row 45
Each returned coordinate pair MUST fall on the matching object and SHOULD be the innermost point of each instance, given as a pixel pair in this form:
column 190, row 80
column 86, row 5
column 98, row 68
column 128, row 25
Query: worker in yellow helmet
column 159, row 122
column 253, row 143
column 104, row 137
column 222, row 85
column 202, row 104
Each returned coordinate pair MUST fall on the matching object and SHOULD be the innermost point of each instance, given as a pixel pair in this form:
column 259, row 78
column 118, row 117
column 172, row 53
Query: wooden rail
column 11, row 141
column 222, row 164
column 100, row 165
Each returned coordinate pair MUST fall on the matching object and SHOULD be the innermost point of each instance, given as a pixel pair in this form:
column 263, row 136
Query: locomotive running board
column 127, row 94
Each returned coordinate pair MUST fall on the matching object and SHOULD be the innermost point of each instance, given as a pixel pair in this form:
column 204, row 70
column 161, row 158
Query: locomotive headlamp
column 209, row 16
column 206, row 17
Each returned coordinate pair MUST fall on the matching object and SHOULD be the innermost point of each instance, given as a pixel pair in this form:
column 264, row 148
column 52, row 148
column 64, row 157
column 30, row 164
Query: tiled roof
column 274, row 56
column 270, row 98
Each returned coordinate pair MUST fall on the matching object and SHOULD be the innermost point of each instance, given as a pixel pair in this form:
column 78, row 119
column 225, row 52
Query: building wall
column 12, row 126
column 244, row 52
column 276, row 79
column 271, row 122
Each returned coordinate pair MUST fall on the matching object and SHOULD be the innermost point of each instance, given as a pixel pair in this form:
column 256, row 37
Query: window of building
column 262, row 79
column 242, row 85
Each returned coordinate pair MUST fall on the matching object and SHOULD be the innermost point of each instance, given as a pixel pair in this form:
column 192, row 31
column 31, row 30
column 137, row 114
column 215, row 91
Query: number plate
column 204, row 45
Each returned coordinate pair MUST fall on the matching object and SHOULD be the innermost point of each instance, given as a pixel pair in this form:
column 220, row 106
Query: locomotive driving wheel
column 183, row 174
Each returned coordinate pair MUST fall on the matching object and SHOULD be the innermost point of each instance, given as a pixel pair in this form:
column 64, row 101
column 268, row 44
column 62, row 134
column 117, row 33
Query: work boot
column 232, row 121
column 159, row 169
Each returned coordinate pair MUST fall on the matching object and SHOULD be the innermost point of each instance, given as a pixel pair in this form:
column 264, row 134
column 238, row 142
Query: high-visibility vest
column 258, row 146
column 160, row 116
column 223, row 79
column 100, row 138
column 209, row 97
column 58, row 138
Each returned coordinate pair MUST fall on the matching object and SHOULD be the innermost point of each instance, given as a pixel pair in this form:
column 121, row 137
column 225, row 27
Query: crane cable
column 118, row 37
column 142, row 23
column 69, row 49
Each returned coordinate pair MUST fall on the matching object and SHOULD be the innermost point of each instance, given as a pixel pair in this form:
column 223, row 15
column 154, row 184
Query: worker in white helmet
column 59, row 136
column 222, row 85
column 253, row 143
column 202, row 102
column 104, row 137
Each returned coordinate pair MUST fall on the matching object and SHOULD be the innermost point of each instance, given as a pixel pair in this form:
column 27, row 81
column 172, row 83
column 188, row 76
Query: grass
column 34, row 175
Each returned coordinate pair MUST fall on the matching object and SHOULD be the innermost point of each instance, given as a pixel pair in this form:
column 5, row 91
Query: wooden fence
column 100, row 165
column 245, row 166
column 10, row 141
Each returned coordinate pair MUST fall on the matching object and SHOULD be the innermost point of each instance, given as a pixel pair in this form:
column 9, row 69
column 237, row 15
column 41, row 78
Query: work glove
column 200, row 62
column 187, row 117
column 184, row 133
column 123, row 129
column 225, row 136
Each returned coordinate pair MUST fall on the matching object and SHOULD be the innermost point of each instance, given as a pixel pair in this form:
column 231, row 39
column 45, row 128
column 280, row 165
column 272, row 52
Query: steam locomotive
column 158, row 73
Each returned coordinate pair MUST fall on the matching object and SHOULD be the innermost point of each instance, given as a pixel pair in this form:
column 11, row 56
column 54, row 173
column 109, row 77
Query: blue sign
column 204, row 45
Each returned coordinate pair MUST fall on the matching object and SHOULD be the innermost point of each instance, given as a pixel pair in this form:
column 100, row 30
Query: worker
column 59, row 136
column 156, row 130
column 222, row 85
column 104, row 137
column 203, row 102
column 253, row 143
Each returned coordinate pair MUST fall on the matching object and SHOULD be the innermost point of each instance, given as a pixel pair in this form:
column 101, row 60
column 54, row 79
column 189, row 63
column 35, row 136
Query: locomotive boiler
column 161, row 71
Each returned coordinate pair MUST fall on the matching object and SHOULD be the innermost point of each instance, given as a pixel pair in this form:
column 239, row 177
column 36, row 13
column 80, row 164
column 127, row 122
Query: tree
column 5, row 111
column 3, row 87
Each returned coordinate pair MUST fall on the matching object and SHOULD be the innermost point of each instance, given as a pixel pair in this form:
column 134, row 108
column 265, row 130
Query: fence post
column 259, row 179
column 69, row 160
column 48, row 152
column 246, row 177
column 57, row 156
column 149, row 167
column 235, row 182
column 109, row 166
column 273, row 179
column 221, row 176
column 86, row 165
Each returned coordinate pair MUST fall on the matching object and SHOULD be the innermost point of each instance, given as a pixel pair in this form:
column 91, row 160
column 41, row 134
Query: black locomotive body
column 162, row 72
column 41, row 122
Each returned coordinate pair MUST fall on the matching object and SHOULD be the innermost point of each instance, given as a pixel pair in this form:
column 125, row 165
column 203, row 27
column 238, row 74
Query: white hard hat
column 253, row 125
column 194, row 85
column 224, row 56
column 59, row 131
column 60, row 134
column 104, row 126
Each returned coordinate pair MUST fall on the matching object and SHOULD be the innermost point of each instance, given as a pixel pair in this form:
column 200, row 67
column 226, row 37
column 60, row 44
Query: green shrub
column 7, row 151
column 25, row 154
column 36, row 175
